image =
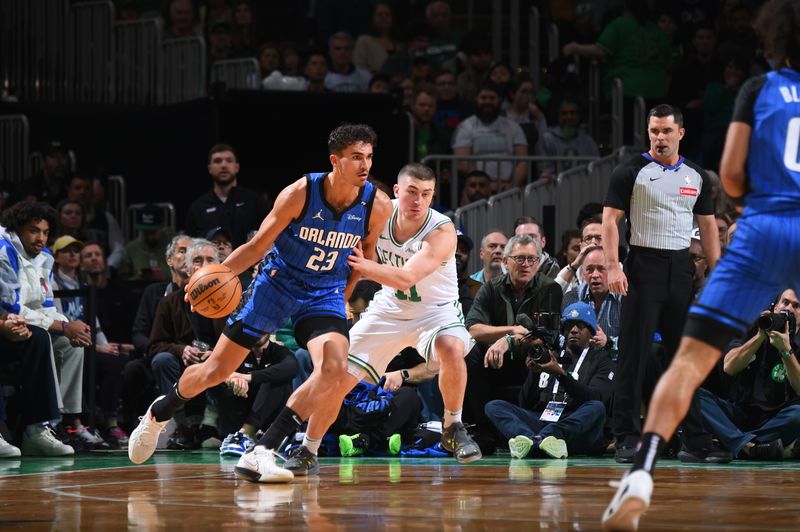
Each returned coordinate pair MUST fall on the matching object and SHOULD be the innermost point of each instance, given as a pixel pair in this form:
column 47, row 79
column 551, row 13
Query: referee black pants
column 659, row 294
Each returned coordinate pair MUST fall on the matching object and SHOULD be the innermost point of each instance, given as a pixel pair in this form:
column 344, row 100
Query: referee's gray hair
column 174, row 243
column 193, row 248
column 522, row 240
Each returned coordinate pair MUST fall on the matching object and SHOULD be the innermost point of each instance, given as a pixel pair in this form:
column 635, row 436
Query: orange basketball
column 214, row 291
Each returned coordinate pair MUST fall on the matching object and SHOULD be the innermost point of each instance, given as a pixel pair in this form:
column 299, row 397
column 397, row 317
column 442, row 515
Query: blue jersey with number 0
column 314, row 248
column 770, row 104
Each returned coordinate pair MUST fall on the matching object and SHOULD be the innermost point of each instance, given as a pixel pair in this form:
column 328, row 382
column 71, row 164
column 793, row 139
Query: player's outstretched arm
column 733, row 165
column 381, row 210
column 288, row 206
column 437, row 248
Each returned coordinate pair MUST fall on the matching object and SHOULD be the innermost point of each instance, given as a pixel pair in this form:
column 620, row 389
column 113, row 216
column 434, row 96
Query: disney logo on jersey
column 331, row 239
column 352, row 217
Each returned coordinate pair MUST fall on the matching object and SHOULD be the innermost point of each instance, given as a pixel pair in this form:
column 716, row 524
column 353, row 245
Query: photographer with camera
column 493, row 320
column 763, row 413
column 562, row 405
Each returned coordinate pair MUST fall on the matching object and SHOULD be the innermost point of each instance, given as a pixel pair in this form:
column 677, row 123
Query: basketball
column 214, row 291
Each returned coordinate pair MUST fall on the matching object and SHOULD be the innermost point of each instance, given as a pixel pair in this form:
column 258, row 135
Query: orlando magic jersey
column 770, row 104
column 314, row 248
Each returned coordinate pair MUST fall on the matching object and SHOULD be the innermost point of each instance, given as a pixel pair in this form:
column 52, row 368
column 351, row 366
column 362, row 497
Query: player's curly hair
column 349, row 134
column 17, row 216
column 778, row 25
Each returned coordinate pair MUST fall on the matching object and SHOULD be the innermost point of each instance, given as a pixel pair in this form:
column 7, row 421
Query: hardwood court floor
column 197, row 491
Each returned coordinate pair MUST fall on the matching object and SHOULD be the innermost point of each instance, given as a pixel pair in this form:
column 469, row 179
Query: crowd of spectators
column 59, row 236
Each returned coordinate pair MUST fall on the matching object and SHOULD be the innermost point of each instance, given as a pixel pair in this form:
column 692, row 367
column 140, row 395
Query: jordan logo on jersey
column 331, row 239
column 318, row 216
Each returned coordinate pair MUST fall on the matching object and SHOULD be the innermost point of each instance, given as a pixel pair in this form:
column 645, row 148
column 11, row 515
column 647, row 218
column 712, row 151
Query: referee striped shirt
column 660, row 201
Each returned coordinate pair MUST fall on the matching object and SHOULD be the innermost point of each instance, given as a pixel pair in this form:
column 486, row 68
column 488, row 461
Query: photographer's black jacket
column 277, row 365
column 594, row 383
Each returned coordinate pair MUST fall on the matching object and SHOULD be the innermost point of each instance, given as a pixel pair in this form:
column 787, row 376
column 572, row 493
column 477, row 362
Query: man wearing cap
column 221, row 237
column 144, row 256
column 562, row 405
column 220, row 41
column 50, row 183
column 226, row 204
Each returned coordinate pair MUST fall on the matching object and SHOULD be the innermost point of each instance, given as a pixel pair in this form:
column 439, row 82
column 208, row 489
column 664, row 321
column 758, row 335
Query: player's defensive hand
column 356, row 259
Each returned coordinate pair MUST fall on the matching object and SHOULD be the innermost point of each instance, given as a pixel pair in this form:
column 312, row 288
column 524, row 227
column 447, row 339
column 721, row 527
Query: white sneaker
column 40, row 440
column 631, row 501
column 142, row 441
column 259, row 465
column 7, row 450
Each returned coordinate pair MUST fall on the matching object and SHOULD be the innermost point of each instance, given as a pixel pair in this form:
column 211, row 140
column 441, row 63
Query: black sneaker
column 770, row 451
column 183, row 439
column 714, row 455
column 457, row 440
column 624, row 454
column 301, row 462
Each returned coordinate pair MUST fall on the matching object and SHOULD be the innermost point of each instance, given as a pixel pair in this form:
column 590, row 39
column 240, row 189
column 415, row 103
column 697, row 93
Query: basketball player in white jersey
column 418, row 306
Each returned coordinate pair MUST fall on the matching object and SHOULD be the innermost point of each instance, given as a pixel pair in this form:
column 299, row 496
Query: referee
column 661, row 194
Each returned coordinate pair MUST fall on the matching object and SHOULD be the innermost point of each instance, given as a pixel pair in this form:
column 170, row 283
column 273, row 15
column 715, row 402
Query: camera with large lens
column 776, row 321
column 545, row 326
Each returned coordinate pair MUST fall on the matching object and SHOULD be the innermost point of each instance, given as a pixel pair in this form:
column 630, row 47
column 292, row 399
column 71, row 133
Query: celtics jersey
column 437, row 289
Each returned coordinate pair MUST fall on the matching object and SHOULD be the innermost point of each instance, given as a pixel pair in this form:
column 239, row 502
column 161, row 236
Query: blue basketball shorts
column 277, row 296
column 762, row 261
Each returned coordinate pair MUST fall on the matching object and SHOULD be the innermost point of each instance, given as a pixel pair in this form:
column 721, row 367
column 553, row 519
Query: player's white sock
column 451, row 417
column 311, row 444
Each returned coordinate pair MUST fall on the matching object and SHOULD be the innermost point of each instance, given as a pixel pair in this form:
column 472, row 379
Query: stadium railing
column 14, row 139
column 183, row 69
column 241, row 73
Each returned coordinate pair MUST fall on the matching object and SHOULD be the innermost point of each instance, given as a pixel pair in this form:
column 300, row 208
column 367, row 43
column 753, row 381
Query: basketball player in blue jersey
column 761, row 165
column 418, row 307
column 313, row 228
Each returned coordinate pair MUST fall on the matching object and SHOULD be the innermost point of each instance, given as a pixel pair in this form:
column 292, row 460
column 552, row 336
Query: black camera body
column 776, row 321
column 544, row 326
